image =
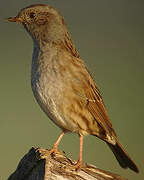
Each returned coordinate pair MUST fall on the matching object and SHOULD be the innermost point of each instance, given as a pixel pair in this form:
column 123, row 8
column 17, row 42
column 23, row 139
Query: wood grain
column 38, row 164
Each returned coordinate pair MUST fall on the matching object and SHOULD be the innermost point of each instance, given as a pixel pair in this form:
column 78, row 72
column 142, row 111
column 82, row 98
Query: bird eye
column 32, row 15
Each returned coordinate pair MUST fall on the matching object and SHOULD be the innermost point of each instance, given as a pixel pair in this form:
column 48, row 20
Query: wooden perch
column 38, row 164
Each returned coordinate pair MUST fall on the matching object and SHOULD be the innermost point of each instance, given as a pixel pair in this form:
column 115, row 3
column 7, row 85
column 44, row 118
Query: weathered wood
column 38, row 164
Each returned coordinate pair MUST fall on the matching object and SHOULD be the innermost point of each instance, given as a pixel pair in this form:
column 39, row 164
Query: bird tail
column 123, row 157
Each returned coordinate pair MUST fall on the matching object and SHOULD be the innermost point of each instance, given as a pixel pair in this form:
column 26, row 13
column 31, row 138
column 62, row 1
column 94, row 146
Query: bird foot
column 76, row 166
column 43, row 154
column 53, row 150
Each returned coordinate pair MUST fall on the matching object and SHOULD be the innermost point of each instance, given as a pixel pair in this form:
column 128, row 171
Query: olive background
column 109, row 36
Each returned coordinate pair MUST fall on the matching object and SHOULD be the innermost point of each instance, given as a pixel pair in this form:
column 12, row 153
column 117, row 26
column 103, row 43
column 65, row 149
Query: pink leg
column 81, row 149
column 54, row 148
column 78, row 164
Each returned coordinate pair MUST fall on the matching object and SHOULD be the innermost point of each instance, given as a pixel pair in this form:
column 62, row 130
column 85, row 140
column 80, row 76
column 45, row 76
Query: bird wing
column 96, row 106
column 95, row 103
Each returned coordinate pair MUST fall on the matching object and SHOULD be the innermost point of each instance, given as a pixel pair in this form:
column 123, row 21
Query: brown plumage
column 62, row 85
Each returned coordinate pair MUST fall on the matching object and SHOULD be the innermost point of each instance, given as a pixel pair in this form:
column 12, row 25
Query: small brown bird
column 62, row 85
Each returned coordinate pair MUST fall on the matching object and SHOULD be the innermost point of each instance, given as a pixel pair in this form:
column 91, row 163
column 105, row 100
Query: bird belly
column 48, row 95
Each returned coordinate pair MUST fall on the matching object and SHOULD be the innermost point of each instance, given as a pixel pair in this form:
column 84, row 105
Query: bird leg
column 77, row 166
column 80, row 153
column 54, row 148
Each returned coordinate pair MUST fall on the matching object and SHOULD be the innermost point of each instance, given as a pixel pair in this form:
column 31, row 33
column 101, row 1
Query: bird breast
column 47, row 85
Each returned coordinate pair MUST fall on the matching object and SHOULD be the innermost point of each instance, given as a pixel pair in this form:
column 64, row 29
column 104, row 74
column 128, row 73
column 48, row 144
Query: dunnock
column 62, row 85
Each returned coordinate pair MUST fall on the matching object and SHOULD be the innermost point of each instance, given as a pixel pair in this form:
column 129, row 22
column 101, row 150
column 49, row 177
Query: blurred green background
column 109, row 36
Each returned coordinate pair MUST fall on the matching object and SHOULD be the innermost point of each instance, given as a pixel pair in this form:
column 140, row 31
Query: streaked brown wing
column 84, row 86
column 97, row 108
column 95, row 102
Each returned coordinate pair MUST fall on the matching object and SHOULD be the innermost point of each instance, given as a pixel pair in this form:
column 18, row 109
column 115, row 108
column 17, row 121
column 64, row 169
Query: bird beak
column 15, row 19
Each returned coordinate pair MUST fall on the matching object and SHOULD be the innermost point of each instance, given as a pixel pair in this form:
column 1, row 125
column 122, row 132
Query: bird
column 62, row 84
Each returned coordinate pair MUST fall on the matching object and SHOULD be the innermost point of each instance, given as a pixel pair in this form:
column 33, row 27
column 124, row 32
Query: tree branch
column 38, row 164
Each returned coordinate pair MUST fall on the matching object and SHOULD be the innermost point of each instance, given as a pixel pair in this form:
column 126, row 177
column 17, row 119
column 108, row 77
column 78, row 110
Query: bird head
column 42, row 22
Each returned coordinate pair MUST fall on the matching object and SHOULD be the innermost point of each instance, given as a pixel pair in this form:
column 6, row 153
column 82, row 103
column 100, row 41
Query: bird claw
column 76, row 166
